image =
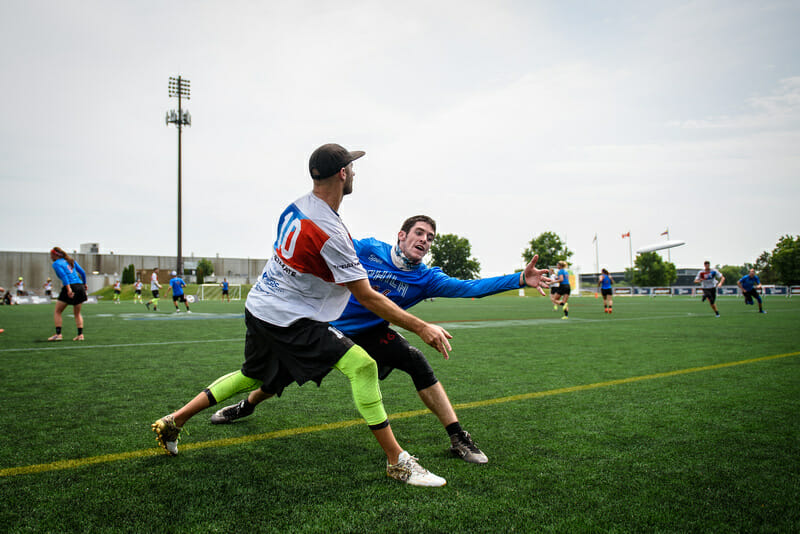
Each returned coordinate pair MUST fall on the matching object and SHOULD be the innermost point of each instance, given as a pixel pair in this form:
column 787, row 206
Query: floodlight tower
column 179, row 87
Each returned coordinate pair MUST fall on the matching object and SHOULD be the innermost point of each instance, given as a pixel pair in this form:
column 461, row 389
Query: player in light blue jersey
column 397, row 271
column 176, row 285
column 750, row 284
column 73, row 292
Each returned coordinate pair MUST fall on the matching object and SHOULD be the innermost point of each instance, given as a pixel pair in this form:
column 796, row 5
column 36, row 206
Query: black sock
column 58, row 330
column 80, row 331
column 453, row 428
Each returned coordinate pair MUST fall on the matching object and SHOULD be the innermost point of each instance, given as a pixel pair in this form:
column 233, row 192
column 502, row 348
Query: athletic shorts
column 391, row 351
column 710, row 293
column 554, row 290
column 176, row 298
column 117, row 291
column 224, row 291
column 155, row 293
column 607, row 292
column 750, row 295
column 78, row 296
column 279, row 355
column 138, row 291
column 563, row 289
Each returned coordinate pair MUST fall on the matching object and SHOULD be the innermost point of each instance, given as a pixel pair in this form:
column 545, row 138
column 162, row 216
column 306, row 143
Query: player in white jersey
column 305, row 284
column 137, row 291
column 707, row 278
column 154, row 287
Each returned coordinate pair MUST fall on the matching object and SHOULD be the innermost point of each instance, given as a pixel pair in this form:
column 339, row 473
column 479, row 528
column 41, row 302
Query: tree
column 550, row 249
column 452, row 254
column 129, row 274
column 652, row 270
column 786, row 260
column 763, row 267
column 204, row 268
column 733, row 273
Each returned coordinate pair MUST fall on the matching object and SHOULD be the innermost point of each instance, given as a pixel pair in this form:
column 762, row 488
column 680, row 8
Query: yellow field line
column 82, row 462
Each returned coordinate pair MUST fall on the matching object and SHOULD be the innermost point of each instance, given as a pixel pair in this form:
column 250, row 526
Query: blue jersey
column 749, row 283
column 408, row 287
column 565, row 273
column 177, row 285
column 606, row 282
column 224, row 286
column 69, row 275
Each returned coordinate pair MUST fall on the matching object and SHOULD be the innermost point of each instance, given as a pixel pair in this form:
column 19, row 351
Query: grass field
column 659, row 418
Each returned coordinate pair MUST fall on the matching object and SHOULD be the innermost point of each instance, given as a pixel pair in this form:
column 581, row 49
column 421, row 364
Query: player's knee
column 420, row 370
column 362, row 371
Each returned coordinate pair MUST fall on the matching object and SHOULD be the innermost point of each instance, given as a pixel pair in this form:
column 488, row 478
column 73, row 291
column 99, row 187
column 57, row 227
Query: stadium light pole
column 179, row 87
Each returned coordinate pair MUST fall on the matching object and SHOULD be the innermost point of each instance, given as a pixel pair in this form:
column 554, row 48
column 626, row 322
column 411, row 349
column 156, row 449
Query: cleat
column 177, row 310
column 147, row 305
column 408, row 470
column 79, row 337
column 167, row 434
column 761, row 311
column 55, row 337
column 463, row 447
column 564, row 318
column 231, row 413
column 188, row 311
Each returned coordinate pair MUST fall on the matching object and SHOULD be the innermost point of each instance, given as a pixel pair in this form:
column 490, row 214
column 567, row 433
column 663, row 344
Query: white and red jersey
column 116, row 286
column 313, row 257
column 137, row 285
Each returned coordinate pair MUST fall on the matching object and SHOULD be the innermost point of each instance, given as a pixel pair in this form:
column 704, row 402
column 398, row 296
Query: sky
column 500, row 119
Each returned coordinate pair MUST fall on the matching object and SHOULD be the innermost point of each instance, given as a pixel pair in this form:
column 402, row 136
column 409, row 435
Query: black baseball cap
column 329, row 159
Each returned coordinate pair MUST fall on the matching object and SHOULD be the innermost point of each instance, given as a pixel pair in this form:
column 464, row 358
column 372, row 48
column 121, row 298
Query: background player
column 176, row 285
column 707, row 278
column 154, row 287
column 605, row 281
column 750, row 284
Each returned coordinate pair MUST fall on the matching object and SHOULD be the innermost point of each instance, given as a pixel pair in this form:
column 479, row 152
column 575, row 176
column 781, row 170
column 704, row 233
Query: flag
column 628, row 234
column 595, row 239
column 665, row 232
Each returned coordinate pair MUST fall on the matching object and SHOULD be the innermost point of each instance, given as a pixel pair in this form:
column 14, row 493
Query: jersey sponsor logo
column 348, row 265
column 375, row 259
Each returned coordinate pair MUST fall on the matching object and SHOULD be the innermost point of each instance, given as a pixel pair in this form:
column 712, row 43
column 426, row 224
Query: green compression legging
column 229, row 385
column 362, row 372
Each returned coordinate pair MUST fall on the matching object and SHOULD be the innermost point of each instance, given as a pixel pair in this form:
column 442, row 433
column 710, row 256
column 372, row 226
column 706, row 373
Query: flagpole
column 596, row 255
column 630, row 251
column 669, row 256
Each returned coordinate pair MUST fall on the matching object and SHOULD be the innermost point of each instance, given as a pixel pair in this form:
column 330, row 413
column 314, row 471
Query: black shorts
column 391, row 351
column 224, row 291
column 554, row 290
column 750, row 295
column 563, row 289
column 138, row 291
column 48, row 293
column 607, row 292
column 155, row 293
column 176, row 298
column 78, row 296
column 710, row 293
column 279, row 355
column 117, row 291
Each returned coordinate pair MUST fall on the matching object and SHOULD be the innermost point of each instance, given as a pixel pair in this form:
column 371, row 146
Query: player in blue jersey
column 750, row 284
column 397, row 271
column 73, row 292
column 564, row 289
column 176, row 285
column 605, row 281
column 225, row 290
column 707, row 278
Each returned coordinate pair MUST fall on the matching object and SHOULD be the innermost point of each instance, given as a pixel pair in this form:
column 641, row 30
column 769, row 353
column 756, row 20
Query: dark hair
column 605, row 271
column 707, row 263
column 411, row 221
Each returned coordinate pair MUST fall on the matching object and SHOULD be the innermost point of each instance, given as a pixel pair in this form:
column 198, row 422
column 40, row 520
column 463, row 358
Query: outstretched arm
column 377, row 303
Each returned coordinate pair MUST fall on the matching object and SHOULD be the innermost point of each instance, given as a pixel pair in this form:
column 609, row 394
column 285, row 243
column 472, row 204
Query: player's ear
column 401, row 236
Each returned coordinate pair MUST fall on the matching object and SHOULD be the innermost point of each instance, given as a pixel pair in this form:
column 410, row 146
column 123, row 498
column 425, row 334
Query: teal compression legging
column 362, row 371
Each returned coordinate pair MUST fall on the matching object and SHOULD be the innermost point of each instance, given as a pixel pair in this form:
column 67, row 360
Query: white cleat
column 408, row 470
